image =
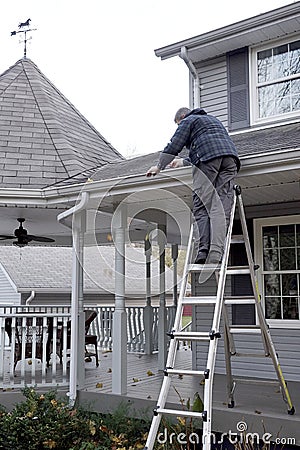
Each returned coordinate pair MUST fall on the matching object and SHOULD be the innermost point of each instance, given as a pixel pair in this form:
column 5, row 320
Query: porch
column 257, row 404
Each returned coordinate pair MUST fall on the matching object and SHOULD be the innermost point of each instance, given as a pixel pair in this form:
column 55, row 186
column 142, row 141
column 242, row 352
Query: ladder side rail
column 258, row 307
column 267, row 340
column 212, row 350
column 162, row 398
column 222, row 274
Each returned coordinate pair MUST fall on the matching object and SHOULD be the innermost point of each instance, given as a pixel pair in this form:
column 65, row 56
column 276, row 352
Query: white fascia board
column 230, row 31
column 268, row 162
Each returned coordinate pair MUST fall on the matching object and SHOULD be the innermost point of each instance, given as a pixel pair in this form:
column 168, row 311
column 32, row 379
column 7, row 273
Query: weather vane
column 24, row 27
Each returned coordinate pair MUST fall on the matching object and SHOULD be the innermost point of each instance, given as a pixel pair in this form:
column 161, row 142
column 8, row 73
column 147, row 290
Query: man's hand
column 154, row 170
column 177, row 162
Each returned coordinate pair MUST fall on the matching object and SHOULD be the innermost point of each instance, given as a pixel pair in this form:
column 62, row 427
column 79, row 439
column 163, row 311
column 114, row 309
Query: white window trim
column 258, row 258
column 254, row 119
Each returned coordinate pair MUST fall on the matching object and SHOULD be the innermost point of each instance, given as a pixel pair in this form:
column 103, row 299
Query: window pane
column 271, row 261
column 264, row 65
column 287, row 259
column 280, row 62
column 287, row 235
column 289, row 284
column 273, row 308
column 295, row 57
column 290, row 308
column 272, row 285
column 270, row 237
column 298, row 234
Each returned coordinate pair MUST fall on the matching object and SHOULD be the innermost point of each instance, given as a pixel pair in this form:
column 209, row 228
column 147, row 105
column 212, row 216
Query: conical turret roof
column 44, row 140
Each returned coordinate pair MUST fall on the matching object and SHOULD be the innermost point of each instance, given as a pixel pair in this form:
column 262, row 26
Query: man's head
column 181, row 113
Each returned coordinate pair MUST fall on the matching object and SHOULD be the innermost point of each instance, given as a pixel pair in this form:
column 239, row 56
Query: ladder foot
column 231, row 404
column 291, row 411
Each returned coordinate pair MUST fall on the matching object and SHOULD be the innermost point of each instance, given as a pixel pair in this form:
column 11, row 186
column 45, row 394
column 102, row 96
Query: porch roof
column 49, row 269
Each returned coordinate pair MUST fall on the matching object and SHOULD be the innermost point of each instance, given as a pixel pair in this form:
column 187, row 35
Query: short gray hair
column 181, row 113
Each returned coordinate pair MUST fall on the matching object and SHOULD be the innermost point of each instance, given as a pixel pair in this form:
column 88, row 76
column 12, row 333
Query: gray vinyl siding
column 8, row 292
column 213, row 90
column 286, row 342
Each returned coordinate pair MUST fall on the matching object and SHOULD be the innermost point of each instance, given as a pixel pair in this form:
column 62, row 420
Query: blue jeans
column 212, row 202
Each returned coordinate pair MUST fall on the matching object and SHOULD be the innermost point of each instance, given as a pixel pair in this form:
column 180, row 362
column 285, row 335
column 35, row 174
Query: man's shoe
column 201, row 258
column 214, row 258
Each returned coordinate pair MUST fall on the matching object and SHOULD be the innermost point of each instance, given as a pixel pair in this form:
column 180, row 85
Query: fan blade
column 31, row 237
column 2, row 237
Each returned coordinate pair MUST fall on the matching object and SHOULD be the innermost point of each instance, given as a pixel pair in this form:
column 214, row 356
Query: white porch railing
column 30, row 342
column 33, row 340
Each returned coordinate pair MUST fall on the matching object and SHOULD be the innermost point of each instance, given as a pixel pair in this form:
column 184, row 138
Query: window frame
column 258, row 257
column 253, row 51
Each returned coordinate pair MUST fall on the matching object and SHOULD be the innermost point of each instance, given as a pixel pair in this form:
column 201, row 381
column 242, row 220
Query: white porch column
column 77, row 371
column 148, row 310
column 175, row 278
column 162, row 313
column 119, row 354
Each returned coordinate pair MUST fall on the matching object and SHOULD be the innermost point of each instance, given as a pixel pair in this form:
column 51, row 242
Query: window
column 278, row 249
column 276, row 81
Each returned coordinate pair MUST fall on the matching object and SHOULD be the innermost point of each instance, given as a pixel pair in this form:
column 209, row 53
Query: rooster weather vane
column 24, row 27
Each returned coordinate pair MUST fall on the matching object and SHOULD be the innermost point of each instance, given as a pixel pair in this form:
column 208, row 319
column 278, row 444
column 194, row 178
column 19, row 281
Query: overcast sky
column 100, row 55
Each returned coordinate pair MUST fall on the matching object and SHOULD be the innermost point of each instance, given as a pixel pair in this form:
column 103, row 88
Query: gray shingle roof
column 279, row 138
column 50, row 268
column 43, row 138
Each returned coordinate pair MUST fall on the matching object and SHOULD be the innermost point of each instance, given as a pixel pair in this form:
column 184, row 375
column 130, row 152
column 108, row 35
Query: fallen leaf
column 99, row 385
column 150, row 373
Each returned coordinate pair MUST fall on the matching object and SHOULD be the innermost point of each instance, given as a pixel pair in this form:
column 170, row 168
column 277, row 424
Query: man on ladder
column 217, row 194
column 215, row 164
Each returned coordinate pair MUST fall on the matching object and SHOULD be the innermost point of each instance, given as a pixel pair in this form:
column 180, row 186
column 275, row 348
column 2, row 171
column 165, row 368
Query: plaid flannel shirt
column 204, row 136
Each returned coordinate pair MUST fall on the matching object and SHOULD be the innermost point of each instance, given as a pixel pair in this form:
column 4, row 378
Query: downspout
column 195, row 94
column 76, row 281
column 30, row 298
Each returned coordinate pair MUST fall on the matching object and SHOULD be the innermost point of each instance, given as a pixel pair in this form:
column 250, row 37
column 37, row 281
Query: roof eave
column 231, row 33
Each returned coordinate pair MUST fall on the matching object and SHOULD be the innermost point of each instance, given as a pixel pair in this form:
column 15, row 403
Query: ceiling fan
column 23, row 238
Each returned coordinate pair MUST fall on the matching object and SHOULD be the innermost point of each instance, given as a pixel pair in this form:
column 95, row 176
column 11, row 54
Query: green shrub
column 43, row 421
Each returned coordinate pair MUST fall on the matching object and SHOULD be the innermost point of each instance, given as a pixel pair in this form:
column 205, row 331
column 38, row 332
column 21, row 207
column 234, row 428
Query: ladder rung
column 170, row 371
column 238, row 270
column 190, row 335
column 179, row 412
column 245, row 329
column 250, row 355
column 256, row 381
column 203, row 267
column 237, row 239
column 204, row 300
column 240, row 300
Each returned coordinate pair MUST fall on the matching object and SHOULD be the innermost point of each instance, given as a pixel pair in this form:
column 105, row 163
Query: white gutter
column 62, row 217
column 195, row 95
column 30, row 298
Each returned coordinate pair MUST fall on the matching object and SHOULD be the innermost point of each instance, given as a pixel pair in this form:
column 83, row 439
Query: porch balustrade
column 30, row 339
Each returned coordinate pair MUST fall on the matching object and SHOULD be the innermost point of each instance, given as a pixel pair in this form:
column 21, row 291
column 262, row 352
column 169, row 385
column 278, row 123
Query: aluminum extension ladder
column 213, row 335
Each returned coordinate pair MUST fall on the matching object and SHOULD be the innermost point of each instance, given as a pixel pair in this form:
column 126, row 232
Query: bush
column 43, row 421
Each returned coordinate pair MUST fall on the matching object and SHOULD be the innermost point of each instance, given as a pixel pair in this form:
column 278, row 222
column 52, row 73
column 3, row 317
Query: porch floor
column 260, row 405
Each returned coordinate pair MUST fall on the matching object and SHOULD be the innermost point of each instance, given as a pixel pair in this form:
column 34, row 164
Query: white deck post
column 162, row 313
column 148, row 310
column 175, row 277
column 81, row 316
column 119, row 354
